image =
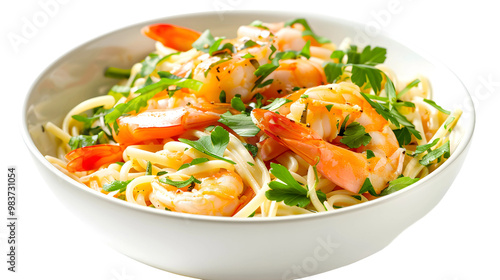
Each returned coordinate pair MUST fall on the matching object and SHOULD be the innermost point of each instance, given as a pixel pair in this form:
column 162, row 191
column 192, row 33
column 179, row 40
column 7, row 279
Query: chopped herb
column 276, row 104
column 249, row 44
column 443, row 151
column 116, row 185
column 329, row 107
column 193, row 162
column 117, row 73
column 403, row 135
column 160, row 173
column 369, row 154
column 222, row 96
column 238, row 104
column 149, row 168
column 251, row 164
column 204, row 42
column 422, row 148
column 368, row 187
column 308, row 31
column 80, row 141
column 251, row 148
column 217, row 48
column 248, row 56
column 398, row 184
column 433, row 104
column 289, row 190
column 242, row 124
column 213, row 145
column 414, row 83
column 355, row 136
column 149, row 64
column 180, row 184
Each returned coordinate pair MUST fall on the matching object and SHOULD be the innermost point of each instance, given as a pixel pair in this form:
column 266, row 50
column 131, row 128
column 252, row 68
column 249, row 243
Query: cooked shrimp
column 293, row 73
column 347, row 168
column 216, row 195
column 164, row 123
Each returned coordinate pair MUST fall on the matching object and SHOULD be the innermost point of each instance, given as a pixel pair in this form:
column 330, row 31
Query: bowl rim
column 462, row 146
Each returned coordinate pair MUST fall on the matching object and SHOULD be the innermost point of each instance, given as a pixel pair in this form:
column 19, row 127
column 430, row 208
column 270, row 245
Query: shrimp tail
column 345, row 168
column 172, row 36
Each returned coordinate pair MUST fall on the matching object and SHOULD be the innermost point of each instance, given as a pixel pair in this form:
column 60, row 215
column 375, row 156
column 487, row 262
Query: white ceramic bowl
column 230, row 248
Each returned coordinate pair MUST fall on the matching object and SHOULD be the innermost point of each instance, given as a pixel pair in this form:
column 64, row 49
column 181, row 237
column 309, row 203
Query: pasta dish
column 277, row 121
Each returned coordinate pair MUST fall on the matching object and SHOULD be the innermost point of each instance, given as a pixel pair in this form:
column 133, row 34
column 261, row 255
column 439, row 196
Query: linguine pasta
column 276, row 122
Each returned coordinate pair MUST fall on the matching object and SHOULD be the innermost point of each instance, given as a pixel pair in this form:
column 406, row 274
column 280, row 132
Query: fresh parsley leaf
column 369, row 154
column 289, row 190
column 116, row 185
column 333, row 71
column 403, row 135
column 252, row 149
column 238, row 104
column 216, row 47
column 368, row 187
column 117, row 73
column 433, row 104
column 355, row 136
column 306, row 52
column 362, row 73
column 398, row 184
column 373, row 56
column 422, row 148
column 443, row 151
column 248, row 44
column 204, row 42
column 242, row 124
column 160, row 173
column 80, row 141
column 180, row 184
column 149, row 64
column 308, row 31
column 276, row 104
column 213, row 145
column 193, row 162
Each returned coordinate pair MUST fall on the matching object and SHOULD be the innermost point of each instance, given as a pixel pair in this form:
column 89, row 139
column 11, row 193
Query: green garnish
column 213, row 145
column 398, row 184
column 116, row 185
column 193, row 162
column 252, row 149
column 241, row 124
column 369, row 154
column 422, row 148
column 204, row 42
column 436, row 154
column 117, row 73
column 355, row 136
column 289, row 190
column 433, row 104
column 368, row 187
column 414, row 83
column 80, row 141
column 276, row 104
column 308, row 30
column 149, row 168
column 180, row 184
column 149, row 64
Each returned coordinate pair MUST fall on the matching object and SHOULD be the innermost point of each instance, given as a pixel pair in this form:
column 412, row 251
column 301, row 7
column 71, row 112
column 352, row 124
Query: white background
column 458, row 240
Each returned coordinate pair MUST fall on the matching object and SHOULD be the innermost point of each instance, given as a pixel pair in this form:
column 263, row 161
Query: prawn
column 317, row 136
column 164, row 123
column 216, row 195
column 93, row 157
